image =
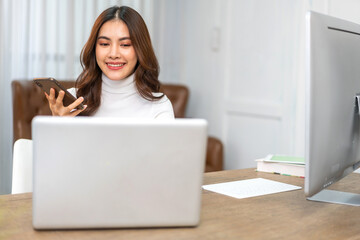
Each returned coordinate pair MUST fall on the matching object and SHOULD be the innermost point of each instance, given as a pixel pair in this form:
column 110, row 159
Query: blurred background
column 243, row 61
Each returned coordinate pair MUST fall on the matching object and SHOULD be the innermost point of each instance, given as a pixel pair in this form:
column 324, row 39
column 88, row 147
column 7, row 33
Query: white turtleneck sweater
column 121, row 99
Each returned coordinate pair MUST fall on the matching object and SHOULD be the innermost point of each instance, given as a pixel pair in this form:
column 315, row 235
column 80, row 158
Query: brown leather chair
column 214, row 155
column 178, row 95
column 29, row 101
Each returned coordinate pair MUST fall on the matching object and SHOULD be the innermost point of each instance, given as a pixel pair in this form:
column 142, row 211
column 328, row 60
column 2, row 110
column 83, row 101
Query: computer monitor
column 332, row 106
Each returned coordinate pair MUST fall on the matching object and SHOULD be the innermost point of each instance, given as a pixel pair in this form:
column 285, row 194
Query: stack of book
column 281, row 164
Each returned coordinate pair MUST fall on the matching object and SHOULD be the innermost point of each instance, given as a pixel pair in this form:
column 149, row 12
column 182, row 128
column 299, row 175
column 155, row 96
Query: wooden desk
column 285, row 215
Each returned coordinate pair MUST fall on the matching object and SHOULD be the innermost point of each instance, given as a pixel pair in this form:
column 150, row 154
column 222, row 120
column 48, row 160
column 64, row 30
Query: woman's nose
column 114, row 51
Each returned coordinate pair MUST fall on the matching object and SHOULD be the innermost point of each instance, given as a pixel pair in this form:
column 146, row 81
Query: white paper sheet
column 250, row 188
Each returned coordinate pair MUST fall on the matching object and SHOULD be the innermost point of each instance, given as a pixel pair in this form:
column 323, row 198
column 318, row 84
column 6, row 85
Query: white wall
column 244, row 62
column 240, row 60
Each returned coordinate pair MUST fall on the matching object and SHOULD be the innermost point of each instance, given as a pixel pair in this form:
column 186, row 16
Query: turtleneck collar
column 126, row 85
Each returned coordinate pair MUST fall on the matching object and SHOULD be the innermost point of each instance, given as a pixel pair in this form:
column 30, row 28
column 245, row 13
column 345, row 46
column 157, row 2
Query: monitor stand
column 332, row 196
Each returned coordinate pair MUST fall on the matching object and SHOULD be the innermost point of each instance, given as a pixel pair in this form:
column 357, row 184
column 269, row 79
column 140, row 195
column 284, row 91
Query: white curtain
column 41, row 38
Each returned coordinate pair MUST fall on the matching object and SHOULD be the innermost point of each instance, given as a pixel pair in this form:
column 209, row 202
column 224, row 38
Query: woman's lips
column 115, row 66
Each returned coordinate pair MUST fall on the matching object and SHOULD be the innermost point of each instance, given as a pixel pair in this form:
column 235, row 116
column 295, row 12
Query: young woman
column 120, row 71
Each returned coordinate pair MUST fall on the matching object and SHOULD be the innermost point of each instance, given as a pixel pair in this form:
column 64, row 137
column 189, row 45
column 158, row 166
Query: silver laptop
column 111, row 173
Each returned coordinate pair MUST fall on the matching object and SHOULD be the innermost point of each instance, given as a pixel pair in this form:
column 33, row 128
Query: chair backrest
column 29, row 101
column 214, row 155
column 178, row 96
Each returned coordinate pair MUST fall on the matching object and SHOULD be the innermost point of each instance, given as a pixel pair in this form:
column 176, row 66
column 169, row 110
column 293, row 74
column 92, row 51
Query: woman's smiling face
column 115, row 54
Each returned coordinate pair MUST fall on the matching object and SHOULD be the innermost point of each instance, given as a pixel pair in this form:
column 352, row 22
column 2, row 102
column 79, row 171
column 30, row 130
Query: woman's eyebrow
column 124, row 38
column 106, row 38
column 103, row 37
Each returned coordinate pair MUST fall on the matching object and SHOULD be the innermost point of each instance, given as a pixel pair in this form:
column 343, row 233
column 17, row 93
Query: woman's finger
column 51, row 97
column 76, row 112
column 76, row 103
column 59, row 99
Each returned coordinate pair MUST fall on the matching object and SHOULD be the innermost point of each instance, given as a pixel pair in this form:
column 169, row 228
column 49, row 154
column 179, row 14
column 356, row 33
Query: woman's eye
column 103, row 44
column 125, row 45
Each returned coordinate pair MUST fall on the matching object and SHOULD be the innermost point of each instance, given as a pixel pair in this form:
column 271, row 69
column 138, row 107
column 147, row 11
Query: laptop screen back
column 108, row 172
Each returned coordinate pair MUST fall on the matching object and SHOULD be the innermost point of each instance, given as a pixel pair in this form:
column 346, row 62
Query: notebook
column 112, row 173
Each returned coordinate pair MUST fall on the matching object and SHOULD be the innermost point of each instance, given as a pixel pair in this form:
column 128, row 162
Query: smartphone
column 47, row 83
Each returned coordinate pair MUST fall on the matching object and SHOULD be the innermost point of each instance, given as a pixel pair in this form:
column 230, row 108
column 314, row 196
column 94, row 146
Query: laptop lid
column 108, row 172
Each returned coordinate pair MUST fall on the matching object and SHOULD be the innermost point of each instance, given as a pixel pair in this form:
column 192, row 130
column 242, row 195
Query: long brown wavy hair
column 88, row 83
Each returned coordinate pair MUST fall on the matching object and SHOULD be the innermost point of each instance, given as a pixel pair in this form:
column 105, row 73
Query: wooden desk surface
column 285, row 215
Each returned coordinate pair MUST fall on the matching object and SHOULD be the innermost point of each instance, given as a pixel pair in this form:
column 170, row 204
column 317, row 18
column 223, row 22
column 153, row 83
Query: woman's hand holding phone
column 61, row 102
column 57, row 107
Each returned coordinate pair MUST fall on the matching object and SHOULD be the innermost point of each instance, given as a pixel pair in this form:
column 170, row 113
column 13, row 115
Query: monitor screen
column 332, row 115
